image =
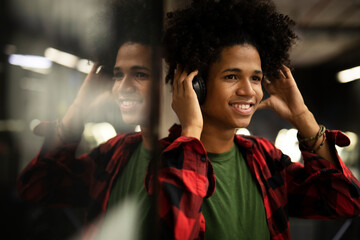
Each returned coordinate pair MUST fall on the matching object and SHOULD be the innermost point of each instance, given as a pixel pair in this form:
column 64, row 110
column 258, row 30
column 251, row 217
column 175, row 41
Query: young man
column 237, row 47
column 116, row 169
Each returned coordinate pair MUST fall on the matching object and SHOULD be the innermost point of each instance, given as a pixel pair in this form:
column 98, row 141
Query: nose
column 125, row 85
column 245, row 88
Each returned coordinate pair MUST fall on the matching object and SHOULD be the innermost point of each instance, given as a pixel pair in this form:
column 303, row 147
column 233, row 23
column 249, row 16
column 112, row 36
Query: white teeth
column 128, row 103
column 242, row 106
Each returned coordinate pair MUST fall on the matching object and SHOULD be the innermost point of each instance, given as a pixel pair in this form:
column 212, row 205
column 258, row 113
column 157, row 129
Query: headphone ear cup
column 200, row 88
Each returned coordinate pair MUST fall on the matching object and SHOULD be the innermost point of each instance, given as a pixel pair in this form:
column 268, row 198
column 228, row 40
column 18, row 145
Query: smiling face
column 132, row 75
column 233, row 88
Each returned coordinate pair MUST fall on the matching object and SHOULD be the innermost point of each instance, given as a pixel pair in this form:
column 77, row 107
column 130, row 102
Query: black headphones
column 199, row 86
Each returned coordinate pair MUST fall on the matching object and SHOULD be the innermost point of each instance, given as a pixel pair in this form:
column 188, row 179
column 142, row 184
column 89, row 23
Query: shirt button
column 203, row 158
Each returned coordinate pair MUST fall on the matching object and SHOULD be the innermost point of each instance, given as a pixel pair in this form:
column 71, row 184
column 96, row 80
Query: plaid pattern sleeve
column 327, row 191
column 317, row 189
column 185, row 177
column 57, row 178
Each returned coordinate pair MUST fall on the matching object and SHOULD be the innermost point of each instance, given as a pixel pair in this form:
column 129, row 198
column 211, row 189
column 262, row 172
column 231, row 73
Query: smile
column 128, row 104
column 242, row 108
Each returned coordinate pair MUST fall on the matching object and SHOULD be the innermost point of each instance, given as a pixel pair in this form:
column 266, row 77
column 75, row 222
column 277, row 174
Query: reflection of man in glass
column 109, row 173
column 132, row 72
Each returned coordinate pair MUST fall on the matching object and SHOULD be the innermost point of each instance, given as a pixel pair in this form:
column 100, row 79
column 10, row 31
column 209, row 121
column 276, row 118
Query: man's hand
column 94, row 92
column 285, row 98
column 186, row 105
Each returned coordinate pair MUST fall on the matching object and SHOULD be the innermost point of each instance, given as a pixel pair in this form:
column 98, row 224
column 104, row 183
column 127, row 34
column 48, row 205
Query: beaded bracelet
column 319, row 133
column 321, row 144
column 311, row 148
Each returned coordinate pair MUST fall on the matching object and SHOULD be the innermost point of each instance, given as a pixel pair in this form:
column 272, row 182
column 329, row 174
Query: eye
column 118, row 76
column 256, row 78
column 142, row 76
column 231, row 77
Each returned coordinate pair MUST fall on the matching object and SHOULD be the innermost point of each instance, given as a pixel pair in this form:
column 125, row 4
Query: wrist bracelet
column 319, row 133
column 315, row 138
column 64, row 135
column 321, row 144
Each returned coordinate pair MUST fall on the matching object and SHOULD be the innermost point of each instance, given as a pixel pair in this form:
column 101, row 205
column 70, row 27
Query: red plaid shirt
column 317, row 189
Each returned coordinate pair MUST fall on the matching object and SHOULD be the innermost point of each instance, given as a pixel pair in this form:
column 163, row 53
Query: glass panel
column 80, row 74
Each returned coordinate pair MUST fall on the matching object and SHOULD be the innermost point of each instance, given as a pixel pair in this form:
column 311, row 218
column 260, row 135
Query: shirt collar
column 242, row 141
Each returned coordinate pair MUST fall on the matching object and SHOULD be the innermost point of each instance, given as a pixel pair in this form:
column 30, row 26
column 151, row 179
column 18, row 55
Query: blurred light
column 349, row 154
column 84, row 66
column 34, row 123
column 12, row 125
column 38, row 70
column 353, row 140
column 242, row 131
column 355, row 171
column 349, row 75
column 137, row 128
column 62, row 58
column 121, row 222
column 100, row 132
column 30, row 61
column 287, row 142
column 68, row 60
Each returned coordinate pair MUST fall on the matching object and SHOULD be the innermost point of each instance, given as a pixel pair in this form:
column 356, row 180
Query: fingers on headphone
column 190, row 77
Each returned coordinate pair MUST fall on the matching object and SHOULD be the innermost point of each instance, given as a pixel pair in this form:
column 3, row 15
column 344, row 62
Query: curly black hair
column 195, row 36
column 121, row 21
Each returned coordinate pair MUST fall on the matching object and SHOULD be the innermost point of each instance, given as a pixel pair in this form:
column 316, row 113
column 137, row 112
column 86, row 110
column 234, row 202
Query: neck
column 146, row 137
column 217, row 140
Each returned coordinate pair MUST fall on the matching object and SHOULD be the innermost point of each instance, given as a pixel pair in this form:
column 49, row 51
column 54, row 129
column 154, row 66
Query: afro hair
column 195, row 36
column 121, row 21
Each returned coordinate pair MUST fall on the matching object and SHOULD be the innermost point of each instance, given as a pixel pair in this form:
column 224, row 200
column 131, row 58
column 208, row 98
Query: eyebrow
column 239, row 70
column 116, row 69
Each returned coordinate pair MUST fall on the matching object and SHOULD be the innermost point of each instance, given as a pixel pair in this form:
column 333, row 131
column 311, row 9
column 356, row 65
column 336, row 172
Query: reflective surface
column 35, row 89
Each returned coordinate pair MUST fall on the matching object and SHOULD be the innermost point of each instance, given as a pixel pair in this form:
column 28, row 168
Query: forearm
column 73, row 121
column 88, row 98
column 191, row 132
column 67, row 130
column 307, row 126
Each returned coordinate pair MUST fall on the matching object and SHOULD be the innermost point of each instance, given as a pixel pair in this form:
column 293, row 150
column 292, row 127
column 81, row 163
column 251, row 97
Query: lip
column 128, row 104
column 243, row 108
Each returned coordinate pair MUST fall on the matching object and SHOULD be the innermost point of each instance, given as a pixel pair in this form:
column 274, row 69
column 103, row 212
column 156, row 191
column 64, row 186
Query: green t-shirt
column 131, row 179
column 130, row 184
column 236, row 209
